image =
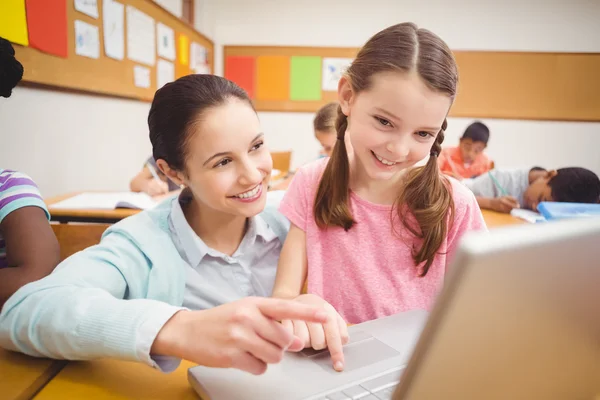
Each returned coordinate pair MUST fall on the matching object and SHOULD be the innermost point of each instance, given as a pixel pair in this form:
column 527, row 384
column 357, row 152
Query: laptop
column 518, row 318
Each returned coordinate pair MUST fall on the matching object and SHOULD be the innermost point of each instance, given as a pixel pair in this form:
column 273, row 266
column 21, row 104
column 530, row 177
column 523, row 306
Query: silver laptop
column 519, row 318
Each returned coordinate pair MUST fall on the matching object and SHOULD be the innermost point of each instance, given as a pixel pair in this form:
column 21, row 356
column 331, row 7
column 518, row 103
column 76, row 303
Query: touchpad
column 357, row 355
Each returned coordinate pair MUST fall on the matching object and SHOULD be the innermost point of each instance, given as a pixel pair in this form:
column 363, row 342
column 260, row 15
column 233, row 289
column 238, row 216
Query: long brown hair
column 425, row 194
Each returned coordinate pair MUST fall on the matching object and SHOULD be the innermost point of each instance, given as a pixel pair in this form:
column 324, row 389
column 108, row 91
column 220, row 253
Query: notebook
column 106, row 201
column 556, row 210
column 527, row 215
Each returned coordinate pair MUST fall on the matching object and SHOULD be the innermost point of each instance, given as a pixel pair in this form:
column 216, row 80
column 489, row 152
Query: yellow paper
column 13, row 23
column 184, row 50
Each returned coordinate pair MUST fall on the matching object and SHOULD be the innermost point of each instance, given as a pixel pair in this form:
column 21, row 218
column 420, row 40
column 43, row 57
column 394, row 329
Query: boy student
column 468, row 159
column 503, row 190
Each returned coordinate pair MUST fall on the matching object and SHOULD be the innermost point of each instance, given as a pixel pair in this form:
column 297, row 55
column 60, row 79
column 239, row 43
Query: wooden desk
column 21, row 376
column 110, row 379
column 89, row 216
column 495, row 219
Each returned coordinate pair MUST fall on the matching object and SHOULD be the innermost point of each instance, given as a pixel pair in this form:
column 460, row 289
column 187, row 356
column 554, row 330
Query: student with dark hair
column 23, row 214
column 468, row 160
column 154, row 289
column 503, row 190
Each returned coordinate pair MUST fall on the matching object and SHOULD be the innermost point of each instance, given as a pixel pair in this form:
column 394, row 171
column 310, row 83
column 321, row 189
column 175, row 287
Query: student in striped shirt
column 28, row 248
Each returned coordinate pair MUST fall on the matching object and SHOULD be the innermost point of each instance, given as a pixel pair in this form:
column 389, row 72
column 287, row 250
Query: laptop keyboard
column 380, row 388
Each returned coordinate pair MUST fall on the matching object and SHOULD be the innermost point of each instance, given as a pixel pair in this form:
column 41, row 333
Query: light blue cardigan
column 95, row 302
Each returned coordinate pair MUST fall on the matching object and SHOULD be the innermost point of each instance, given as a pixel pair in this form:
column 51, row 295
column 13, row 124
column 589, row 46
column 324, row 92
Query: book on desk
column 106, row 201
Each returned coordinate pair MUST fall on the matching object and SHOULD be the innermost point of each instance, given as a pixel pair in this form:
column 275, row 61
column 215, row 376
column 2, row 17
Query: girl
column 379, row 233
column 23, row 214
column 324, row 127
column 128, row 296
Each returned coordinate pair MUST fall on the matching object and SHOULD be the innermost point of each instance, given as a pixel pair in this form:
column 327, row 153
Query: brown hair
column 178, row 106
column 325, row 117
column 425, row 194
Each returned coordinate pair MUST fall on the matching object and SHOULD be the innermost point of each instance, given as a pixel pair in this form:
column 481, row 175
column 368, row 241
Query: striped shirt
column 17, row 190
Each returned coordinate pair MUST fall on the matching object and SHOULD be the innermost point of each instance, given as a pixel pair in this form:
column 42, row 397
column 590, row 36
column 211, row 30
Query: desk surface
column 89, row 215
column 110, row 379
column 495, row 219
column 22, row 376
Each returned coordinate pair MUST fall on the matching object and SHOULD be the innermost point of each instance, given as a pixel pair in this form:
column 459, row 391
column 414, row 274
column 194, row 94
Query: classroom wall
column 532, row 25
column 71, row 142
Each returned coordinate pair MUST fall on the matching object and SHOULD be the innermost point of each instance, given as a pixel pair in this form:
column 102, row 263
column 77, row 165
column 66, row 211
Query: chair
column 73, row 238
column 282, row 161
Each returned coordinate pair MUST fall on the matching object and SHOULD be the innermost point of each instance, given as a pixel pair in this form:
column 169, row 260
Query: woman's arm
column 79, row 312
column 32, row 250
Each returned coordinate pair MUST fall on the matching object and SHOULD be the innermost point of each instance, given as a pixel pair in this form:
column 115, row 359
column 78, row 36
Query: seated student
column 152, row 181
column 468, row 159
column 146, row 293
column 23, row 214
column 324, row 127
column 503, row 190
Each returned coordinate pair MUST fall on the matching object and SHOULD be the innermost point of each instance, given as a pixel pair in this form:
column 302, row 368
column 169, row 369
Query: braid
column 436, row 149
column 341, row 124
column 331, row 201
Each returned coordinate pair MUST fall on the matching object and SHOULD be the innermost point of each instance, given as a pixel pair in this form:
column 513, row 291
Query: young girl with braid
column 371, row 234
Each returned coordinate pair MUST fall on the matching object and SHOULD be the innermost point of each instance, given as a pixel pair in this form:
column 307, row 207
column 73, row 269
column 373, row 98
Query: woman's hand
column 332, row 334
column 244, row 334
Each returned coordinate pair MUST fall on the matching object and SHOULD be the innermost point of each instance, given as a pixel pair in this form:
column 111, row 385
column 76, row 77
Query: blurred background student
column 468, row 159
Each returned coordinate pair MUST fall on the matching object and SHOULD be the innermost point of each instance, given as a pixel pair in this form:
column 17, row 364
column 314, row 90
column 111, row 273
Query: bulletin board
column 506, row 85
column 105, row 75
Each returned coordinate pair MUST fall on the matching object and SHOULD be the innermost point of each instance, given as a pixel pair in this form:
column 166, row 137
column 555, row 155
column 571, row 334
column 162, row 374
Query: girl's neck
column 383, row 192
column 219, row 231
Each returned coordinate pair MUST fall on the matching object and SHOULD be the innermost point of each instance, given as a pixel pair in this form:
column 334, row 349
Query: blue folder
column 555, row 210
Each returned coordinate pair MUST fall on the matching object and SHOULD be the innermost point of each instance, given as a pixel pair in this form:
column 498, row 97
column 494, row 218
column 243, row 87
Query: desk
column 22, row 376
column 89, row 216
column 495, row 219
column 110, row 379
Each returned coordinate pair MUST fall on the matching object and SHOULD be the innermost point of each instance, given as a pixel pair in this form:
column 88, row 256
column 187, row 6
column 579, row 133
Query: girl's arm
column 31, row 248
column 291, row 276
column 292, row 266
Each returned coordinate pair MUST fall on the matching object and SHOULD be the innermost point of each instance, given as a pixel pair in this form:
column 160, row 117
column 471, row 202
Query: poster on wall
column 87, row 41
column 113, row 20
column 333, row 68
column 141, row 37
column 88, row 7
column 165, row 41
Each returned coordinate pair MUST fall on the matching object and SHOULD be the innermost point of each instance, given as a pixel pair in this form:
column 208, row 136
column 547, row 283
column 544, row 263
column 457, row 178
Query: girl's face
column 394, row 124
column 228, row 167
column 327, row 140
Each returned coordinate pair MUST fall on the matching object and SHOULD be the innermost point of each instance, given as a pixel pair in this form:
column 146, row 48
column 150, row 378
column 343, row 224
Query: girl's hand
column 332, row 334
column 244, row 334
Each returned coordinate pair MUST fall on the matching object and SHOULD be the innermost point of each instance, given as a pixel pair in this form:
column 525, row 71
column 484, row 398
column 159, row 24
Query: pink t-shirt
column 368, row 272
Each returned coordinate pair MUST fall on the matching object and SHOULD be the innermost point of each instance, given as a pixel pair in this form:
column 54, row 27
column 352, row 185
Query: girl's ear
column 176, row 176
column 345, row 95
